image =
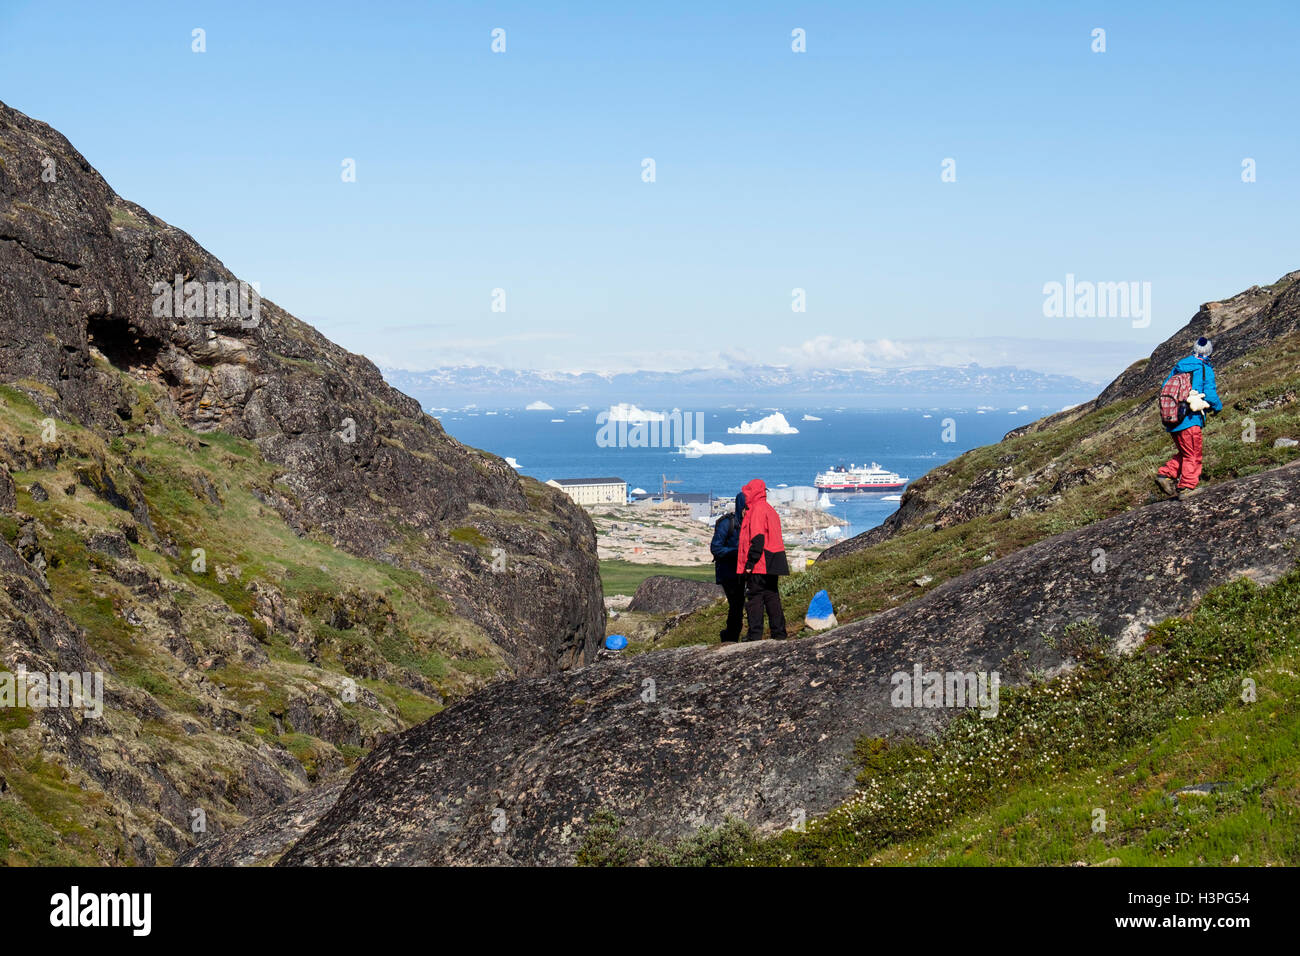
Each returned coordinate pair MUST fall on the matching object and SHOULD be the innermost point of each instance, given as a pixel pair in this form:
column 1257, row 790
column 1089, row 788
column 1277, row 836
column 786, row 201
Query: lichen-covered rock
column 665, row 594
column 8, row 493
column 264, row 839
column 676, row 739
column 983, row 496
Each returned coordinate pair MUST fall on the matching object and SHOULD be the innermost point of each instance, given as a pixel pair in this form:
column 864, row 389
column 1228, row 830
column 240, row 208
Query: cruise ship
column 859, row 478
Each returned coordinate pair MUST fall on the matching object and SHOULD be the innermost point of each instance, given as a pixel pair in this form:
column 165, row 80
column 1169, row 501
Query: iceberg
column 774, row 424
column 624, row 412
column 539, row 406
column 696, row 449
column 512, row 463
column 811, row 418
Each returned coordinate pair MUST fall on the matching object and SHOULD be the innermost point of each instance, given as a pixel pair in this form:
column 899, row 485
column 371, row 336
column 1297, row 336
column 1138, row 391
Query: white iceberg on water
column 774, row 424
column 696, row 449
column 625, row 412
column 539, row 406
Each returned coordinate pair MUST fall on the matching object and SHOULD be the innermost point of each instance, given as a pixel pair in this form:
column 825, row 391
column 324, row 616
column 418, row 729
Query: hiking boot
column 1166, row 485
column 1185, row 493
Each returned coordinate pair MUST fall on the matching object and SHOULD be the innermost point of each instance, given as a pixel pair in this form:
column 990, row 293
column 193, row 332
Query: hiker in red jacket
column 761, row 558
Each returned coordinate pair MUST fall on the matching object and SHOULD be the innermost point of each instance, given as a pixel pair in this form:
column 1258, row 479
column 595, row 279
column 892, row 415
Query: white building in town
column 593, row 491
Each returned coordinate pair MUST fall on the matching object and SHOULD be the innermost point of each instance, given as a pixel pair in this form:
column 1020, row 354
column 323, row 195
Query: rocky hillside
column 671, row 741
column 995, row 559
column 276, row 557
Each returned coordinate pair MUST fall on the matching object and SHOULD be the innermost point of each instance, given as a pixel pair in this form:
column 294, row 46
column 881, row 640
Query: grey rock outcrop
column 665, row 594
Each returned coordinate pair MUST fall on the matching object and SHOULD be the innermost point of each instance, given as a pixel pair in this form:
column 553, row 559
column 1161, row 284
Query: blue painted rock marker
column 820, row 614
column 616, row 642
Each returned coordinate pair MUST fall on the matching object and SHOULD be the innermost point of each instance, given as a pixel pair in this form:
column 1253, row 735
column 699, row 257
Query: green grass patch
column 624, row 577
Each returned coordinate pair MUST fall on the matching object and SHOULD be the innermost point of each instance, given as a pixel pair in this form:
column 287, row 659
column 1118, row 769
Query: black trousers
column 761, row 595
column 734, row 589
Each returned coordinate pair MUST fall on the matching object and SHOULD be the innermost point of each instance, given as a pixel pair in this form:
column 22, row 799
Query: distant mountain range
column 446, row 387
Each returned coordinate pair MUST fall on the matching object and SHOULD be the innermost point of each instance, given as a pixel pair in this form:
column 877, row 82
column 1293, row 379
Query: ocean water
column 908, row 441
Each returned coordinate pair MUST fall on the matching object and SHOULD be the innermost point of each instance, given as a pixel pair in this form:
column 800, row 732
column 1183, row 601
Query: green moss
column 471, row 536
column 123, row 217
column 47, row 820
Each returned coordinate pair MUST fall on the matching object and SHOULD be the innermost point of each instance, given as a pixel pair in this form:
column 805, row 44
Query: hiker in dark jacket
column 725, row 544
column 1182, row 473
column 761, row 558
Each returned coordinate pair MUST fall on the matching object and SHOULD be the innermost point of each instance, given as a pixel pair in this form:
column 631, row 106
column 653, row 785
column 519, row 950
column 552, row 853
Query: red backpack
column 1173, row 398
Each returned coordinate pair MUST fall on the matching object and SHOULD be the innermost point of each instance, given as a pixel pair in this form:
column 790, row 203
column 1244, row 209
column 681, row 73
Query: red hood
column 755, row 493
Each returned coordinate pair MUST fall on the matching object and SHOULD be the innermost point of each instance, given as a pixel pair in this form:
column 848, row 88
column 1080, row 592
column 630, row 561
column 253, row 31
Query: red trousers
column 1186, row 463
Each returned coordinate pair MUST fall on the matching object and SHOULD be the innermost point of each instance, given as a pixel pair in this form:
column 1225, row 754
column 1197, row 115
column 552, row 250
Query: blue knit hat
column 1203, row 348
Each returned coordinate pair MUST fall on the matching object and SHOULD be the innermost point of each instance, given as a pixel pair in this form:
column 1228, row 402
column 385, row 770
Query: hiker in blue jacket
column 1182, row 473
column 725, row 547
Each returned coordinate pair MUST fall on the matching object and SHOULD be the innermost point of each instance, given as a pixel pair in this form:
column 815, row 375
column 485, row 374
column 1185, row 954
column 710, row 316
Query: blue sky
column 774, row 169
